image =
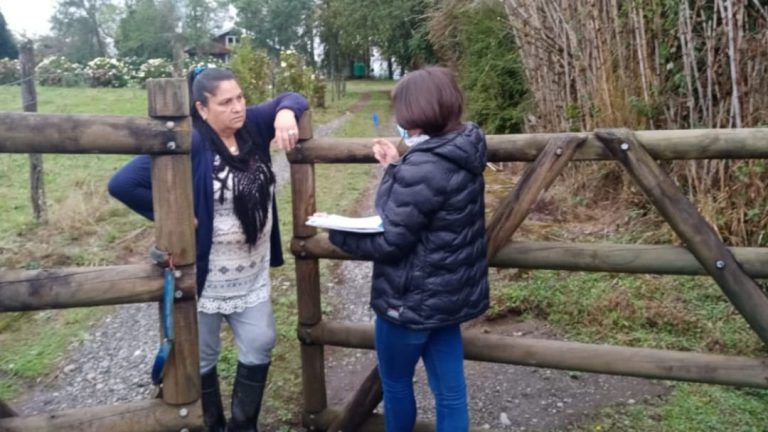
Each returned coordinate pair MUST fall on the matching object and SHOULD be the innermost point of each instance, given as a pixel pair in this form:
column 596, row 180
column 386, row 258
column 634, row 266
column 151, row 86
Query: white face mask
column 411, row 141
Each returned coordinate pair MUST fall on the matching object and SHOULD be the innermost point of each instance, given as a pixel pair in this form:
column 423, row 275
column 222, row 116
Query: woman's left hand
column 286, row 130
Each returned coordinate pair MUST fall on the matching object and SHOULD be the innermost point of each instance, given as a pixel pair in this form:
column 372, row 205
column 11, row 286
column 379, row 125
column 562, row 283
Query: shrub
column 59, row 72
column 253, row 70
column 9, row 71
column 154, row 68
column 107, row 72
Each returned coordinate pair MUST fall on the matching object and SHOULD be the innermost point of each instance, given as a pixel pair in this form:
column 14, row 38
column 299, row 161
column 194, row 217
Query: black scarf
column 252, row 178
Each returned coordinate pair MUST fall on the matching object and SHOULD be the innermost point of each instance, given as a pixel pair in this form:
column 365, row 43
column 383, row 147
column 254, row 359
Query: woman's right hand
column 384, row 151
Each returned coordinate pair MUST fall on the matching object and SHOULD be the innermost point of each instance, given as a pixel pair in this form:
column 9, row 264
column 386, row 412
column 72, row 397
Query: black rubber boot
column 213, row 411
column 246, row 397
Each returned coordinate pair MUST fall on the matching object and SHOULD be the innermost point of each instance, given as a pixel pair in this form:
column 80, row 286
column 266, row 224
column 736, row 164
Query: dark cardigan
column 132, row 183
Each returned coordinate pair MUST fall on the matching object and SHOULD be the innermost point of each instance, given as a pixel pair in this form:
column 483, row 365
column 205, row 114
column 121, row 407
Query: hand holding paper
column 370, row 225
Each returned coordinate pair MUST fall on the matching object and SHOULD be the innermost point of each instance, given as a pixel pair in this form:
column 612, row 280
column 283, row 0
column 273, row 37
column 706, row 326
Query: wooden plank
column 360, row 406
column 313, row 378
column 699, row 237
column 59, row 133
column 661, row 144
column 375, row 423
column 26, row 290
column 167, row 97
column 596, row 257
column 175, row 234
column 6, row 410
column 605, row 359
column 303, row 193
column 537, row 178
column 151, row 415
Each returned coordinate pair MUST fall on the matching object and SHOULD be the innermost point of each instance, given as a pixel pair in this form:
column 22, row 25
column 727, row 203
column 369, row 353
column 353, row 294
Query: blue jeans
column 398, row 349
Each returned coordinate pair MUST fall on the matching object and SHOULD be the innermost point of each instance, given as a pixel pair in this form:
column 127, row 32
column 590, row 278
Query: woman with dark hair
column 430, row 271
column 237, row 236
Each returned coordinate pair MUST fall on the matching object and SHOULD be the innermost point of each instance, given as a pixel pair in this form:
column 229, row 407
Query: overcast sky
column 29, row 17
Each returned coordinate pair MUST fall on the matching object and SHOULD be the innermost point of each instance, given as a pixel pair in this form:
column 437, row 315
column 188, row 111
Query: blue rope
column 169, row 288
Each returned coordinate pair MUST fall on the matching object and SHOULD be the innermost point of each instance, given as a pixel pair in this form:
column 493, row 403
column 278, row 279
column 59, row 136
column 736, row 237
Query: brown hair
column 429, row 99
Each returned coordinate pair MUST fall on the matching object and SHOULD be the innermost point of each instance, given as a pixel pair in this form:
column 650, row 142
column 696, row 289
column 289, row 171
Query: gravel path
column 112, row 363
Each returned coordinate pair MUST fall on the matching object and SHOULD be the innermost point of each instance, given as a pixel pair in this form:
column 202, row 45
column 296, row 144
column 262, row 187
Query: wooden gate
column 734, row 269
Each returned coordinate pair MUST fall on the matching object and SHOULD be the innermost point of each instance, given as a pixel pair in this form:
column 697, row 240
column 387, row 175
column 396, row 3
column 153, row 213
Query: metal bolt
column 720, row 264
column 170, row 125
column 171, row 145
column 303, row 253
column 177, row 273
column 302, row 243
column 184, row 430
column 559, row 151
column 624, row 146
column 183, row 412
column 178, row 294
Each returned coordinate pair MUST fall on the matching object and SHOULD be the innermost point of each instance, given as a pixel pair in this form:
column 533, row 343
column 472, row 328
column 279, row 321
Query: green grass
column 664, row 312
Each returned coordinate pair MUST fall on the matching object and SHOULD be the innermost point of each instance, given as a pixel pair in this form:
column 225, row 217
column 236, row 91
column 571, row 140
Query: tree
column 81, row 25
column 7, row 43
column 277, row 25
column 201, row 18
column 144, row 31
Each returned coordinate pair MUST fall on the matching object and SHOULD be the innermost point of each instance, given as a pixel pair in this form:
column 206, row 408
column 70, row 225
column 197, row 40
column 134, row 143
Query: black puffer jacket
column 430, row 267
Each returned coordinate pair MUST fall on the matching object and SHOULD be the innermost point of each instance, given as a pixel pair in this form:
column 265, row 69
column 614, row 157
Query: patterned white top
column 238, row 278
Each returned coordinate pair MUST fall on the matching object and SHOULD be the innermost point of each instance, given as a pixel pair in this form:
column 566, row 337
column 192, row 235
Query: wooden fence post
column 307, row 274
column 29, row 104
column 175, row 234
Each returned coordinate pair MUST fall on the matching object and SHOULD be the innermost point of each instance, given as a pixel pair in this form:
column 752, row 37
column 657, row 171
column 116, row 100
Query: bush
column 154, row 68
column 59, row 72
column 294, row 76
column 253, row 70
column 107, row 72
column 9, row 71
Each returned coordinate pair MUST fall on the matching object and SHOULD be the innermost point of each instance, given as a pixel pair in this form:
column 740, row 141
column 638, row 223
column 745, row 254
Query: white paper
column 370, row 224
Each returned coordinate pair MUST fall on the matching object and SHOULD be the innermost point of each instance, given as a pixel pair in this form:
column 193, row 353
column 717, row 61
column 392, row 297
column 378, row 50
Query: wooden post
column 537, row 179
column 361, row 405
column 29, row 104
column 307, row 273
column 6, row 410
column 175, row 234
column 700, row 238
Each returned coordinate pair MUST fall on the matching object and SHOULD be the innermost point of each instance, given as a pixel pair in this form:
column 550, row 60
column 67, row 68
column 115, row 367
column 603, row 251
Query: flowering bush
column 107, row 72
column 60, row 72
column 154, row 68
column 9, row 71
column 294, row 76
column 253, row 70
column 208, row 62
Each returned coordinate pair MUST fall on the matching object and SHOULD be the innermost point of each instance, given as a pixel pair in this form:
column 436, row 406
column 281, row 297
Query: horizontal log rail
column 661, row 144
column 152, row 415
column 375, row 423
column 596, row 257
column 604, row 359
column 61, row 133
column 87, row 286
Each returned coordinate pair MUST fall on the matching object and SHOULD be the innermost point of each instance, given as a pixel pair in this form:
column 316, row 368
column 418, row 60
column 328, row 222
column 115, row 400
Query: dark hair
column 429, row 99
column 203, row 82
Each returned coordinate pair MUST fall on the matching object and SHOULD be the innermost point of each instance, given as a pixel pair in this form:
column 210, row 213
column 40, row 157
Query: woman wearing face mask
column 430, row 270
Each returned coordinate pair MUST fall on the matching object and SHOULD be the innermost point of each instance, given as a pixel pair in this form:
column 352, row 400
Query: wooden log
column 605, row 359
column 6, row 410
column 175, row 234
column 661, row 144
column 374, row 423
column 148, row 415
column 59, row 133
column 537, row 178
column 29, row 104
column 596, row 257
column 361, row 405
column 304, row 205
column 700, row 238
column 22, row 290
column 167, row 97
column 313, row 378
